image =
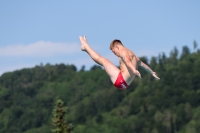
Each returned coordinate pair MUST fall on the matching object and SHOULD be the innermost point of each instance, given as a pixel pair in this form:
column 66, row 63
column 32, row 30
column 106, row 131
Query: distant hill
column 171, row 105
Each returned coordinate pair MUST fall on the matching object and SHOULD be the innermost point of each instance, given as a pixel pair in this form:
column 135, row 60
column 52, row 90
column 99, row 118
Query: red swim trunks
column 120, row 83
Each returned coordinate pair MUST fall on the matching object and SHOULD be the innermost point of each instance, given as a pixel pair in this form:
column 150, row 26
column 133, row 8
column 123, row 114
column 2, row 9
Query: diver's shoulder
column 130, row 52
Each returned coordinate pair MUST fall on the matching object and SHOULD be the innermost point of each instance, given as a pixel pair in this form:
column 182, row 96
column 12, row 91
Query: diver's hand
column 138, row 73
column 155, row 76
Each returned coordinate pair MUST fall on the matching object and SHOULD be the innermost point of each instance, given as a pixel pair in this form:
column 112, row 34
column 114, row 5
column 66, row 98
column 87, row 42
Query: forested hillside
column 171, row 105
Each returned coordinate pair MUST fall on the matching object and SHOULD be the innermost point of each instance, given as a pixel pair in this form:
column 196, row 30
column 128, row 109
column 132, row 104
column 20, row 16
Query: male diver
column 123, row 76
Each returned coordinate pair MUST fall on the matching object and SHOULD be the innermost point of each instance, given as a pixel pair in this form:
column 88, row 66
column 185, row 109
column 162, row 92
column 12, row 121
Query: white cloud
column 87, row 62
column 13, row 67
column 40, row 48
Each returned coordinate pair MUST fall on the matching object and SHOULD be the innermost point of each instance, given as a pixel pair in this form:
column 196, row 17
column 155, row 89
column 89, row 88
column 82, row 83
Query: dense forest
column 94, row 105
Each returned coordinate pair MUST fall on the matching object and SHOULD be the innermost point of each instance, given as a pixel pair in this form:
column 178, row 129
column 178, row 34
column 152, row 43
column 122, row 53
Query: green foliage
column 170, row 105
column 59, row 119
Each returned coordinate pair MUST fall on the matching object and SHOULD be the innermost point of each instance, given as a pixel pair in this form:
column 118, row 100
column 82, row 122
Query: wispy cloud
column 13, row 67
column 40, row 48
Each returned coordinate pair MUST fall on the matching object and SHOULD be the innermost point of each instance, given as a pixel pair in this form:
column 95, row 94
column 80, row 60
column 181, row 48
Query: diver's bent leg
column 94, row 55
column 109, row 67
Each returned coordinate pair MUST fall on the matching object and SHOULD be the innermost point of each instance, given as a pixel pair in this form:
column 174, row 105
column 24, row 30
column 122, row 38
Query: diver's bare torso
column 128, row 75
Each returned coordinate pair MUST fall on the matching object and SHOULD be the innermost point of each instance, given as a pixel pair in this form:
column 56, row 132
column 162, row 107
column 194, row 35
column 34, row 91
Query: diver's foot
column 83, row 43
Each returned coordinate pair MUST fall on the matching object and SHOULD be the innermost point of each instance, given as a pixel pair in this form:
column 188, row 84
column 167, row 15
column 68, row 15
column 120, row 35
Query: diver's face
column 115, row 50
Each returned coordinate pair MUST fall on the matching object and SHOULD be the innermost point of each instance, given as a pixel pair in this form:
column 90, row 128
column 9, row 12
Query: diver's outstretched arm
column 148, row 69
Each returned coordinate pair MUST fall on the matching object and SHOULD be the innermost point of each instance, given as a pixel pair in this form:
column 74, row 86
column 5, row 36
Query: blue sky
column 41, row 31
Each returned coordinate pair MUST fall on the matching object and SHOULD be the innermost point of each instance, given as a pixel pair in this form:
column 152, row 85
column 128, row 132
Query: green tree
column 195, row 45
column 59, row 119
column 185, row 52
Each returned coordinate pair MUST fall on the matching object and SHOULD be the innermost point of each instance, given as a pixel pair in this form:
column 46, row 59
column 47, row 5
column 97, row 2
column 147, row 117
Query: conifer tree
column 59, row 119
